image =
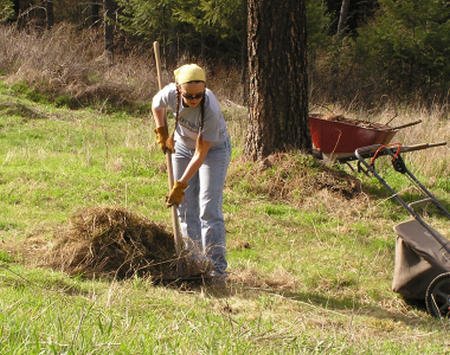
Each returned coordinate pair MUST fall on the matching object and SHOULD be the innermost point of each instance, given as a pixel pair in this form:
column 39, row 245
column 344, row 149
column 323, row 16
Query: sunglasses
column 193, row 97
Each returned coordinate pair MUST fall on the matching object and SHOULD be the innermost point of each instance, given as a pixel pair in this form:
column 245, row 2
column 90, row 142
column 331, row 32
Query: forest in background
column 374, row 51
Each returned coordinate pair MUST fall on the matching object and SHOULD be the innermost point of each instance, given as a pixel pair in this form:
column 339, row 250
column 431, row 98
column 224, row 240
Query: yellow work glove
column 163, row 140
column 176, row 195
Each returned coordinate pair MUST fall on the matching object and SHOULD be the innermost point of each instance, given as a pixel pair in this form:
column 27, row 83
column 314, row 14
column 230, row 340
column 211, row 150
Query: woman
column 201, row 154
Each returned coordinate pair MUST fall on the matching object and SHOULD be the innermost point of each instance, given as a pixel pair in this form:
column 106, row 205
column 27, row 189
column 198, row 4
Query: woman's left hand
column 176, row 195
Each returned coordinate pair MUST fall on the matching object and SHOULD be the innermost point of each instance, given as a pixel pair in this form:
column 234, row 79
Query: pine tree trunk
column 16, row 7
column 109, row 24
column 95, row 14
column 343, row 14
column 49, row 12
column 278, row 97
column 244, row 65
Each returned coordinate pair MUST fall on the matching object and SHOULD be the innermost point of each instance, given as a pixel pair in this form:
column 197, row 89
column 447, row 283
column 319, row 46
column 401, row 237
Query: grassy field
column 310, row 270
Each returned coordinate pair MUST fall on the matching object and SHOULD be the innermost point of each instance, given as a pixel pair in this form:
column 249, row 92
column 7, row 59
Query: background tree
column 16, row 6
column 110, row 14
column 49, row 13
column 358, row 13
column 198, row 28
column 343, row 14
column 278, row 100
column 8, row 11
column 394, row 48
column 220, row 23
column 154, row 20
column 94, row 18
column 404, row 52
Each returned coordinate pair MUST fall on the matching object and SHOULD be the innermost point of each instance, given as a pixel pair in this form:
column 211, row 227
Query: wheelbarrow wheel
column 437, row 296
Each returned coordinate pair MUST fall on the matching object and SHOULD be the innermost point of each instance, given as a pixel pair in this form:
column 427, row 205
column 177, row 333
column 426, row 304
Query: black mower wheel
column 437, row 296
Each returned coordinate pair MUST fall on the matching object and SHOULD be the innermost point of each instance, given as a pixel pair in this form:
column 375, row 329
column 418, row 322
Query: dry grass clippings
column 115, row 243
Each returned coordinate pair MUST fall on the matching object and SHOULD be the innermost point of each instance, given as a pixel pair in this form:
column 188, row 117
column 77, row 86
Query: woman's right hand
column 164, row 141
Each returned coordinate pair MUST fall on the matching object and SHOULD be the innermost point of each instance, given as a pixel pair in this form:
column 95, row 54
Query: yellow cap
column 189, row 72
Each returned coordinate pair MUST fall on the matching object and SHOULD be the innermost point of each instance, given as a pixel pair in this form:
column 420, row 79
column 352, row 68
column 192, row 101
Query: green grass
column 307, row 276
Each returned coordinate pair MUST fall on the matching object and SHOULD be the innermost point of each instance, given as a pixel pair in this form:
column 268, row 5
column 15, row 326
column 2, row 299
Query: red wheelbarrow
column 336, row 137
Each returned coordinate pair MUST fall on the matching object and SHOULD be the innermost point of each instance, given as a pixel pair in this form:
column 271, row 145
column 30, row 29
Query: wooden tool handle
column 175, row 223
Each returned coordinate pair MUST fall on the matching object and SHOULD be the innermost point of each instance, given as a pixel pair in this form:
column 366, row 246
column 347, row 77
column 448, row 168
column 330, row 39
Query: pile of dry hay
column 291, row 177
column 113, row 242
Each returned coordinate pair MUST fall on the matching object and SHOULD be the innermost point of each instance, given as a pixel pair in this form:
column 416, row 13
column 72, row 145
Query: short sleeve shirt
column 189, row 118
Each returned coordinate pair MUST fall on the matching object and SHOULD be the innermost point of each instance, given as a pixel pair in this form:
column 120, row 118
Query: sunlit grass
column 309, row 273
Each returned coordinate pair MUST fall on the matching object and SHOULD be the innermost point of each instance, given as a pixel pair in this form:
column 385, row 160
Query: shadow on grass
column 199, row 284
column 338, row 305
column 20, row 280
column 323, row 303
column 253, row 288
column 349, row 305
column 424, row 209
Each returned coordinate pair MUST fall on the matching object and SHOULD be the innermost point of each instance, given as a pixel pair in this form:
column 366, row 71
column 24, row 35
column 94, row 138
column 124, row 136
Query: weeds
column 310, row 267
column 76, row 75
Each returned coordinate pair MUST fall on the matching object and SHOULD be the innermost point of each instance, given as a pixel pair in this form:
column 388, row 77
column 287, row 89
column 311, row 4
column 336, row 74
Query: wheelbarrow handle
column 420, row 146
column 406, row 125
column 366, row 152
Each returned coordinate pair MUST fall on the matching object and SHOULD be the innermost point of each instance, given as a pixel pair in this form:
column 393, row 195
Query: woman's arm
column 159, row 114
column 201, row 150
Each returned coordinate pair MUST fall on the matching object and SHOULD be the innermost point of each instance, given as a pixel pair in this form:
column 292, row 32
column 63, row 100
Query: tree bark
column 244, row 64
column 49, row 13
column 16, row 7
column 343, row 14
column 278, row 97
column 95, row 14
column 110, row 7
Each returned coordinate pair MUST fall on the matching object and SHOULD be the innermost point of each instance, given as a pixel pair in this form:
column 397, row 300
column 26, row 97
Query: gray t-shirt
column 189, row 119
